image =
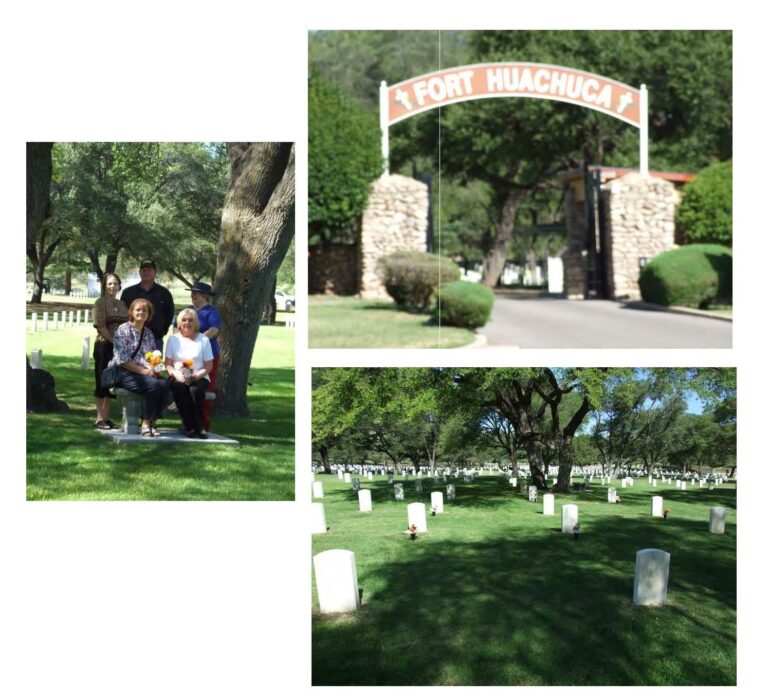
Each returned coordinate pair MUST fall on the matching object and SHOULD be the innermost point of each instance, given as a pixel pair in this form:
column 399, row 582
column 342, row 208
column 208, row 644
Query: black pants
column 102, row 354
column 190, row 399
column 152, row 389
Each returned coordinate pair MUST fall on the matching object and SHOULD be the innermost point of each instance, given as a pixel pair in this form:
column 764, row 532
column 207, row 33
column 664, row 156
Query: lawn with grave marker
column 495, row 594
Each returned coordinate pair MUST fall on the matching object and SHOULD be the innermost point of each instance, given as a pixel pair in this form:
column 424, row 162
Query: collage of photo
column 439, row 390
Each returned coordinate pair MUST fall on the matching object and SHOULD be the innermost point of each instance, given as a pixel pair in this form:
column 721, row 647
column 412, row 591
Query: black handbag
column 110, row 376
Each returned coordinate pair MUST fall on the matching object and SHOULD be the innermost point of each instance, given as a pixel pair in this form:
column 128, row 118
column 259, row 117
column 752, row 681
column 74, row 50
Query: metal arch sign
column 533, row 80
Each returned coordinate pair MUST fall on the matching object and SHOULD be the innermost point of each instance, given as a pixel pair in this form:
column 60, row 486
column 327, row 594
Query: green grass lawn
column 494, row 594
column 67, row 459
column 346, row 322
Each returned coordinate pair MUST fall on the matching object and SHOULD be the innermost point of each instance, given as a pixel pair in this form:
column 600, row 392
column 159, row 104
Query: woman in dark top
column 108, row 314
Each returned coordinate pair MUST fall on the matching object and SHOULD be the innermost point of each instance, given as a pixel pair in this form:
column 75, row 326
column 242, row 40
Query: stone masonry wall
column 395, row 219
column 641, row 220
column 575, row 256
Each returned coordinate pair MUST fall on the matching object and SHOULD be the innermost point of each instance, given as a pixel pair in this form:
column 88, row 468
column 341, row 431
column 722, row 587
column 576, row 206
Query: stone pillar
column 317, row 489
column 657, row 507
column 570, row 516
column 640, row 213
column 436, row 498
column 336, row 580
column 318, row 519
column 364, row 500
column 395, row 219
column 717, row 520
column 549, row 504
column 651, row 577
column 417, row 515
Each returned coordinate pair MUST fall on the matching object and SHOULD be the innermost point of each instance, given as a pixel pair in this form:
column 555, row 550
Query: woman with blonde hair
column 189, row 359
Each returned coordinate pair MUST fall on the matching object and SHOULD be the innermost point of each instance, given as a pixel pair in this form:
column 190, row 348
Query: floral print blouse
column 126, row 340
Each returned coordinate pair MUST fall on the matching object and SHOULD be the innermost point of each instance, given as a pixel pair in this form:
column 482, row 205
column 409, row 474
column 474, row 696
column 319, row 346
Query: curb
column 677, row 310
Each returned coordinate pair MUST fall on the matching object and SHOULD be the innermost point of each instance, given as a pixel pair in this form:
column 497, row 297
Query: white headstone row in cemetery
column 417, row 515
column 364, row 501
column 318, row 523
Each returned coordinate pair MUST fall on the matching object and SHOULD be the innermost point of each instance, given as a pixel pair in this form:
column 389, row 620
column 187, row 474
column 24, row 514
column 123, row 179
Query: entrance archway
column 532, row 80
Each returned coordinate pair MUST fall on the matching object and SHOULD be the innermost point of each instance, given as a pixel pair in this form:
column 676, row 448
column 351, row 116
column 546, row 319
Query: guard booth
column 616, row 221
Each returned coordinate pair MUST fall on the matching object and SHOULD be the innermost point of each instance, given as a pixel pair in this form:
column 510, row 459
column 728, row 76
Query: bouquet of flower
column 155, row 361
column 184, row 367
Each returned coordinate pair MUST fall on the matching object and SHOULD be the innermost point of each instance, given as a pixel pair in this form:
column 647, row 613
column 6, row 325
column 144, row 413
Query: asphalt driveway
column 541, row 321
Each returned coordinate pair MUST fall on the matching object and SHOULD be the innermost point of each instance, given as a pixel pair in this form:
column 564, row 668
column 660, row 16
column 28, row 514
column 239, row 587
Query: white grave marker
column 317, row 489
column 86, row 351
column 437, row 501
column 651, row 577
column 549, row 504
column 717, row 520
column 657, row 507
column 450, row 492
column 398, row 492
column 318, row 519
column 364, row 500
column 417, row 515
column 570, row 516
column 611, row 495
column 36, row 359
column 336, row 580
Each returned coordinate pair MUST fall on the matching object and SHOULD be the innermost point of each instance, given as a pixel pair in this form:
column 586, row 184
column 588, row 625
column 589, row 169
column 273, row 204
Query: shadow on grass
column 540, row 609
column 68, row 459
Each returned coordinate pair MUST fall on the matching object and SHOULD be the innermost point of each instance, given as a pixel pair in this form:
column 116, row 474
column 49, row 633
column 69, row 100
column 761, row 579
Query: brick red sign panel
column 537, row 80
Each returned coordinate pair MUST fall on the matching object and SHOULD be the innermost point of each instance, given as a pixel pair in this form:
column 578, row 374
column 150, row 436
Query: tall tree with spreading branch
column 257, row 225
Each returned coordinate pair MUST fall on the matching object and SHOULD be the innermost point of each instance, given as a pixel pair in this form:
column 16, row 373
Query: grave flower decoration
column 576, row 531
column 155, row 361
column 666, row 513
column 412, row 529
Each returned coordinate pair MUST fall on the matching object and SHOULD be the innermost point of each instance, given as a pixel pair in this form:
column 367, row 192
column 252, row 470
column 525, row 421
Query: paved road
column 528, row 321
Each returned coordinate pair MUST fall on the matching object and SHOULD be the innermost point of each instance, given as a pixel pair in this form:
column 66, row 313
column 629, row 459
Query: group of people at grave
column 131, row 330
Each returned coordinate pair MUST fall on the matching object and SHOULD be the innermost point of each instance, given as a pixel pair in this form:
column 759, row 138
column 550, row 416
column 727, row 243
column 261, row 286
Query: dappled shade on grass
column 68, row 460
column 494, row 594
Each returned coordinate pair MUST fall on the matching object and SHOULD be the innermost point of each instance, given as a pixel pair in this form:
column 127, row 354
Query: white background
column 212, row 600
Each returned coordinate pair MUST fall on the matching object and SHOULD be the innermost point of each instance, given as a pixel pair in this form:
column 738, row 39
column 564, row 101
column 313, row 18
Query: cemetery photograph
column 537, row 526
column 160, row 321
column 521, row 189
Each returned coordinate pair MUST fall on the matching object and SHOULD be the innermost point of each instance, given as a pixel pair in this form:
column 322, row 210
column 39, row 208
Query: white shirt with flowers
column 178, row 349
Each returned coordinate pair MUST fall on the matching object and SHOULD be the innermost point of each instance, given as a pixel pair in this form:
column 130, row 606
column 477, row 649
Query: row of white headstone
column 69, row 319
column 338, row 592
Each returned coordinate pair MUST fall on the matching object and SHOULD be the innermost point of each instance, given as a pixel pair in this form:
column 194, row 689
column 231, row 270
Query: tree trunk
column 257, row 223
column 68, row 282
column 533, row 450
column 494, row 259
column 324, row 456
column 565, row 459
column 39, row 171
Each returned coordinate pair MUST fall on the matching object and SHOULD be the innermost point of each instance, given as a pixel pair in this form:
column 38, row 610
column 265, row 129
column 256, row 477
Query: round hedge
column 411, row 278
column 464, row 304
column 695, row 276
column 705, row 214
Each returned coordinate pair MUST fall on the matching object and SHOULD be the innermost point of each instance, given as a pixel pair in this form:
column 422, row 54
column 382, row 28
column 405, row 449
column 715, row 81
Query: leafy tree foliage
column 344, row 159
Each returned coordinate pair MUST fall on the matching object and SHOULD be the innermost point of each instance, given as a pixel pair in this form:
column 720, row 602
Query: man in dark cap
column 161, row 299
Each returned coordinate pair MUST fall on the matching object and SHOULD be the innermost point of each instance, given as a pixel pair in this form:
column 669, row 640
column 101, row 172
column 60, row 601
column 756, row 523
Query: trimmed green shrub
column 411, row 278
column 344, row 159
column 706, row 213
column 695, row 275
column 464, row 304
